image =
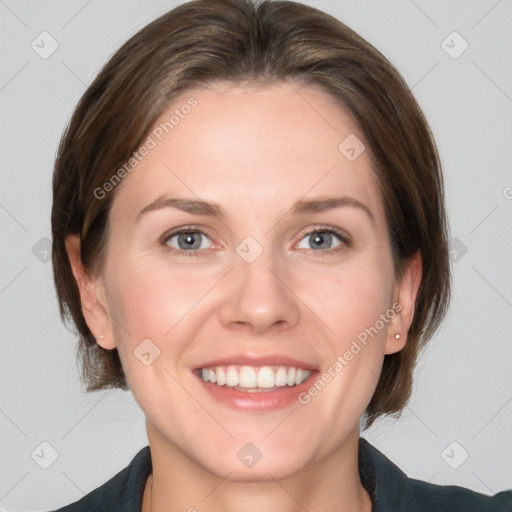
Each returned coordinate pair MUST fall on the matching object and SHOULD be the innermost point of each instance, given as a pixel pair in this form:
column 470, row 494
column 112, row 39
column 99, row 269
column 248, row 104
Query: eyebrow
column 200, row 207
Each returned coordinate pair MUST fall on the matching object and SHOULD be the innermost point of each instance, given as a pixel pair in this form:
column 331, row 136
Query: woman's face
column 247, row 291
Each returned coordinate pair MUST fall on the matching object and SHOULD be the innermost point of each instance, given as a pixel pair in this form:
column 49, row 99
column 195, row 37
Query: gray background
column 463, row 389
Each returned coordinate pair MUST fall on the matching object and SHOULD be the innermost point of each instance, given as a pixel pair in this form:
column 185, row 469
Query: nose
column 259, row 297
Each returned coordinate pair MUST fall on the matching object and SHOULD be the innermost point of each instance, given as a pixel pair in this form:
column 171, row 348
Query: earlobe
column 407, row 291
column 396, row 340
column 95, row 313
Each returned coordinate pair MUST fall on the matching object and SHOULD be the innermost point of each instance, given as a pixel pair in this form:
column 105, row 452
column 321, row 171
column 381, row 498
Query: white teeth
column 221, row 376
column 231, row 376
column 247, row 377
column 266, row 377
column 250, row 377
column 281, row 378
column 291, row 377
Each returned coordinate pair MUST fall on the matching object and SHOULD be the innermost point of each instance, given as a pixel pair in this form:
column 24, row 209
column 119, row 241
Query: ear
column 92, row 296
column 403, row 304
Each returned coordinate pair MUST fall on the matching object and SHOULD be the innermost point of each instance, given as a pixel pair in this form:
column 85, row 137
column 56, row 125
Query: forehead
column 249, row 146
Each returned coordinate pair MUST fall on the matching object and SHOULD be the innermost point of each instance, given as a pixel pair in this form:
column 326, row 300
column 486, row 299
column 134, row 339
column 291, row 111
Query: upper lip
column 258, row 360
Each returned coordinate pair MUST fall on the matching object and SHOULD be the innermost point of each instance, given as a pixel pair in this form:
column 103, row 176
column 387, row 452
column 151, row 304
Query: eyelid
column 180, row 230
column 340, row 233
column 343, row 236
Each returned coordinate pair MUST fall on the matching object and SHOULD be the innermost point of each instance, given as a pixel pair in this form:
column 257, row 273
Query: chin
column 259, row 460
column 277, row 468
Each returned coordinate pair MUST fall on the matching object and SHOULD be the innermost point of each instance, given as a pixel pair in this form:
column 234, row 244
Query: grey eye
column 321, row 240
column 188, row 240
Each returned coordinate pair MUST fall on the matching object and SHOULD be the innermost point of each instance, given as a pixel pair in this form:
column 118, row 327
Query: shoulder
column 424, row 496
column 392, row 490
column 123, row 492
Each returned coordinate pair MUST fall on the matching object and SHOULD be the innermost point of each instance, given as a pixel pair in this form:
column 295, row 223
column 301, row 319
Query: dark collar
column 378, row 476
column 389, row 488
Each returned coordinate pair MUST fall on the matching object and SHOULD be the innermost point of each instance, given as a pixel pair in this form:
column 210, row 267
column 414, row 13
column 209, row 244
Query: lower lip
column 256, row 401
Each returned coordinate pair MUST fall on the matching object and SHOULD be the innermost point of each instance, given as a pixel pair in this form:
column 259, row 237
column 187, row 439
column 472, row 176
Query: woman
column 249, row 234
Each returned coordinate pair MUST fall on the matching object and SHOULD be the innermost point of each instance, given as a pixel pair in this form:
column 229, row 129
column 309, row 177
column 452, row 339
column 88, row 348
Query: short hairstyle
column 244, row 42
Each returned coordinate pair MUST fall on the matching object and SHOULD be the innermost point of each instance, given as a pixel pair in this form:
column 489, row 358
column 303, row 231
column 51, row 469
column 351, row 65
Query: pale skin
column 255, row 152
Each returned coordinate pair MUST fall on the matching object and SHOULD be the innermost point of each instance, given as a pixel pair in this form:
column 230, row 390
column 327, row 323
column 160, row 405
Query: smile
column 254, row 379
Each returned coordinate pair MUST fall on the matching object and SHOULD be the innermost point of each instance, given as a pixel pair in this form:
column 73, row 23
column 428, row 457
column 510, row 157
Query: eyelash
column 344, row 239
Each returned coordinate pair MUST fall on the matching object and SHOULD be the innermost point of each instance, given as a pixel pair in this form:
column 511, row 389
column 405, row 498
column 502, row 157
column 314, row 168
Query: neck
column 179, row 483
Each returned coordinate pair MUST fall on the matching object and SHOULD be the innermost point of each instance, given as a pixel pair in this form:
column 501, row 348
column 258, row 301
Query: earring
column 100, row 337
column 397, row 336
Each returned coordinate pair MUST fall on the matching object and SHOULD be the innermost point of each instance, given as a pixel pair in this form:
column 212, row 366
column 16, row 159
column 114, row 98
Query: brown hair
column 240, row 41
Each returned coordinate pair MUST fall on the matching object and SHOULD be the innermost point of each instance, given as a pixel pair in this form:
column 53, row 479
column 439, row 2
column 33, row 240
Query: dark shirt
column 389, row 488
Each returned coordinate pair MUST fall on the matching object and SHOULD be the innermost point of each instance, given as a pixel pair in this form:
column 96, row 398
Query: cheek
column 149, row 302
column 352, row 305
column 151, row 298
column 354, row 297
